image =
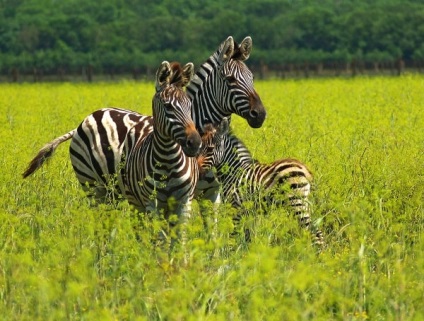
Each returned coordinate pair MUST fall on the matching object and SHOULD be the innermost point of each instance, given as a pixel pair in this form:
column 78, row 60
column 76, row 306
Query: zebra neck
column 202, row 76
column 203, row 92
column 162, row 147
column 236, row 156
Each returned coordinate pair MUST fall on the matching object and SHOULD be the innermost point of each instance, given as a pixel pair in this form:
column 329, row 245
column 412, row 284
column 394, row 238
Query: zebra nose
column 253, row 114
column 257, row 112
column 192, row 144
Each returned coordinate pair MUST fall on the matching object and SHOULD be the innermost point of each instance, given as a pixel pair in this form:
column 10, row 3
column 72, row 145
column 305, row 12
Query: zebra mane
column 237, row 54
column 206, row 69
column 178, row 78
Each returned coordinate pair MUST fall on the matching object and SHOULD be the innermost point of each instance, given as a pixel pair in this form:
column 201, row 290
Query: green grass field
column 363, row 138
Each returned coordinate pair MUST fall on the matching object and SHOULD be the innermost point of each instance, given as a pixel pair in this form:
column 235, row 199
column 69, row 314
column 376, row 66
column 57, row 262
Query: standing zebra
column 96, row 149
column 162, row 164
column 285, row 181
column 223, row 85
column 160, row 172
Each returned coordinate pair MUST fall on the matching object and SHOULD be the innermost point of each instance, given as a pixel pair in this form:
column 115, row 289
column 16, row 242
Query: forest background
column 61, row 40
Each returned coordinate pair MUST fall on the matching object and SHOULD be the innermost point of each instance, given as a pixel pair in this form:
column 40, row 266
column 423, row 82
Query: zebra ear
column 223, row 127
column 226, row 51
column 245, row 48
column 188, row 72
column 163, row 75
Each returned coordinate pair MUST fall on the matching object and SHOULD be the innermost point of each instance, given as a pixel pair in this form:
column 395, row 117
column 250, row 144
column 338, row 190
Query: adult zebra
column 160, row 173
column 162, row 163
column 223, row 85
column 166, row 162
column 284, row 181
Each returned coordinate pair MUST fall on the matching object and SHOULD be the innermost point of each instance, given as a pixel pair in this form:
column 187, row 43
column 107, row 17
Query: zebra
column 162, row 163
column 160, row 171
column 285, row 181
column 212, row 140
column 223, row 85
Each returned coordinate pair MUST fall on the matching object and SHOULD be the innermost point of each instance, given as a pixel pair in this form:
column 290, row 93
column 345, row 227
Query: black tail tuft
column 38, row 161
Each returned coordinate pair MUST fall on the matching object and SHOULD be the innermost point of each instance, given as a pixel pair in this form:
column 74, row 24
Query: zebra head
column 237, row 91
column 212, row 144
column 172, row 107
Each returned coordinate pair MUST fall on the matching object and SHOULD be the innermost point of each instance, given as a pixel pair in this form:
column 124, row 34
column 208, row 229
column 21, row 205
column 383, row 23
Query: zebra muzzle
column 257, row 112
column 191, row 144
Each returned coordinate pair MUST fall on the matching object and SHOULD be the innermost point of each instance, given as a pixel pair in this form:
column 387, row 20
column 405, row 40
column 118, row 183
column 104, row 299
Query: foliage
column 63, row 258
column 118, row 36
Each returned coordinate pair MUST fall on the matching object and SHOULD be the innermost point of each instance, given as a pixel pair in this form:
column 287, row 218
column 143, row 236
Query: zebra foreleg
column 208, row 194
column 208, row 207
column 179, row 234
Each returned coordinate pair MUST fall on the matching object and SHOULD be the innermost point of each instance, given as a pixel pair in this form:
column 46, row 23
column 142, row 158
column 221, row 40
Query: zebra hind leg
column 302, row 210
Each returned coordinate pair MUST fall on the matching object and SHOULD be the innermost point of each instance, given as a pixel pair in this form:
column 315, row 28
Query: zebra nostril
column 192, row 143
column 253, row 114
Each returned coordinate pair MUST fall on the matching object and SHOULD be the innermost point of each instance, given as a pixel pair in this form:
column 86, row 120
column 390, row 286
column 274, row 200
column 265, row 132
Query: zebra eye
column 231, row 79
column 168, row 106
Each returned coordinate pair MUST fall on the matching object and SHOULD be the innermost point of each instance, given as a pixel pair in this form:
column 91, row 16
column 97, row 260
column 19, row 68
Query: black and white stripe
column 162, row 165
column 96, row 148
column 282, row 182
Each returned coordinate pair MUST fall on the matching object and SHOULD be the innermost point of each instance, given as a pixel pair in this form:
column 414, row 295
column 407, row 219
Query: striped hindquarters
column 96, row 148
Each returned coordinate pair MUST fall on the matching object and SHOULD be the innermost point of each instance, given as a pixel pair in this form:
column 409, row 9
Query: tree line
column 112, row 37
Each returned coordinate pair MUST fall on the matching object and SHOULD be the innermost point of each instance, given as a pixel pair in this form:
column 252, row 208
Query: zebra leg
column 183, row 212
column 299, row 202
column 237, row 225
column 207, row 193
column 237, row 195
column 160, row 238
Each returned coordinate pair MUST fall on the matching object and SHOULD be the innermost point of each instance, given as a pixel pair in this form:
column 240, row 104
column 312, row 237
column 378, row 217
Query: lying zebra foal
column 282, row 182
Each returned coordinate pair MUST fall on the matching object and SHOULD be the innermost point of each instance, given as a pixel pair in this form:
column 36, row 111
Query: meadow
column 63, row 259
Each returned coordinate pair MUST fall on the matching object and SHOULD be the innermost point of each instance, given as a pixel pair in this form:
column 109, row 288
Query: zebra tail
column 46, row 152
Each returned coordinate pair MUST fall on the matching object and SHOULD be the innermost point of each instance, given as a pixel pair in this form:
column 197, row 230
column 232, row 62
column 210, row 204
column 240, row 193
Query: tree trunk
column 400, row 66
column 61, row 74
column 135, row 73
column 15, row 74
column 89, row 72
column 306, row 69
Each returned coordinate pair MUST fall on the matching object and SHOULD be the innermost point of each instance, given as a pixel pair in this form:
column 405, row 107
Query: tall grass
column 62, row 258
